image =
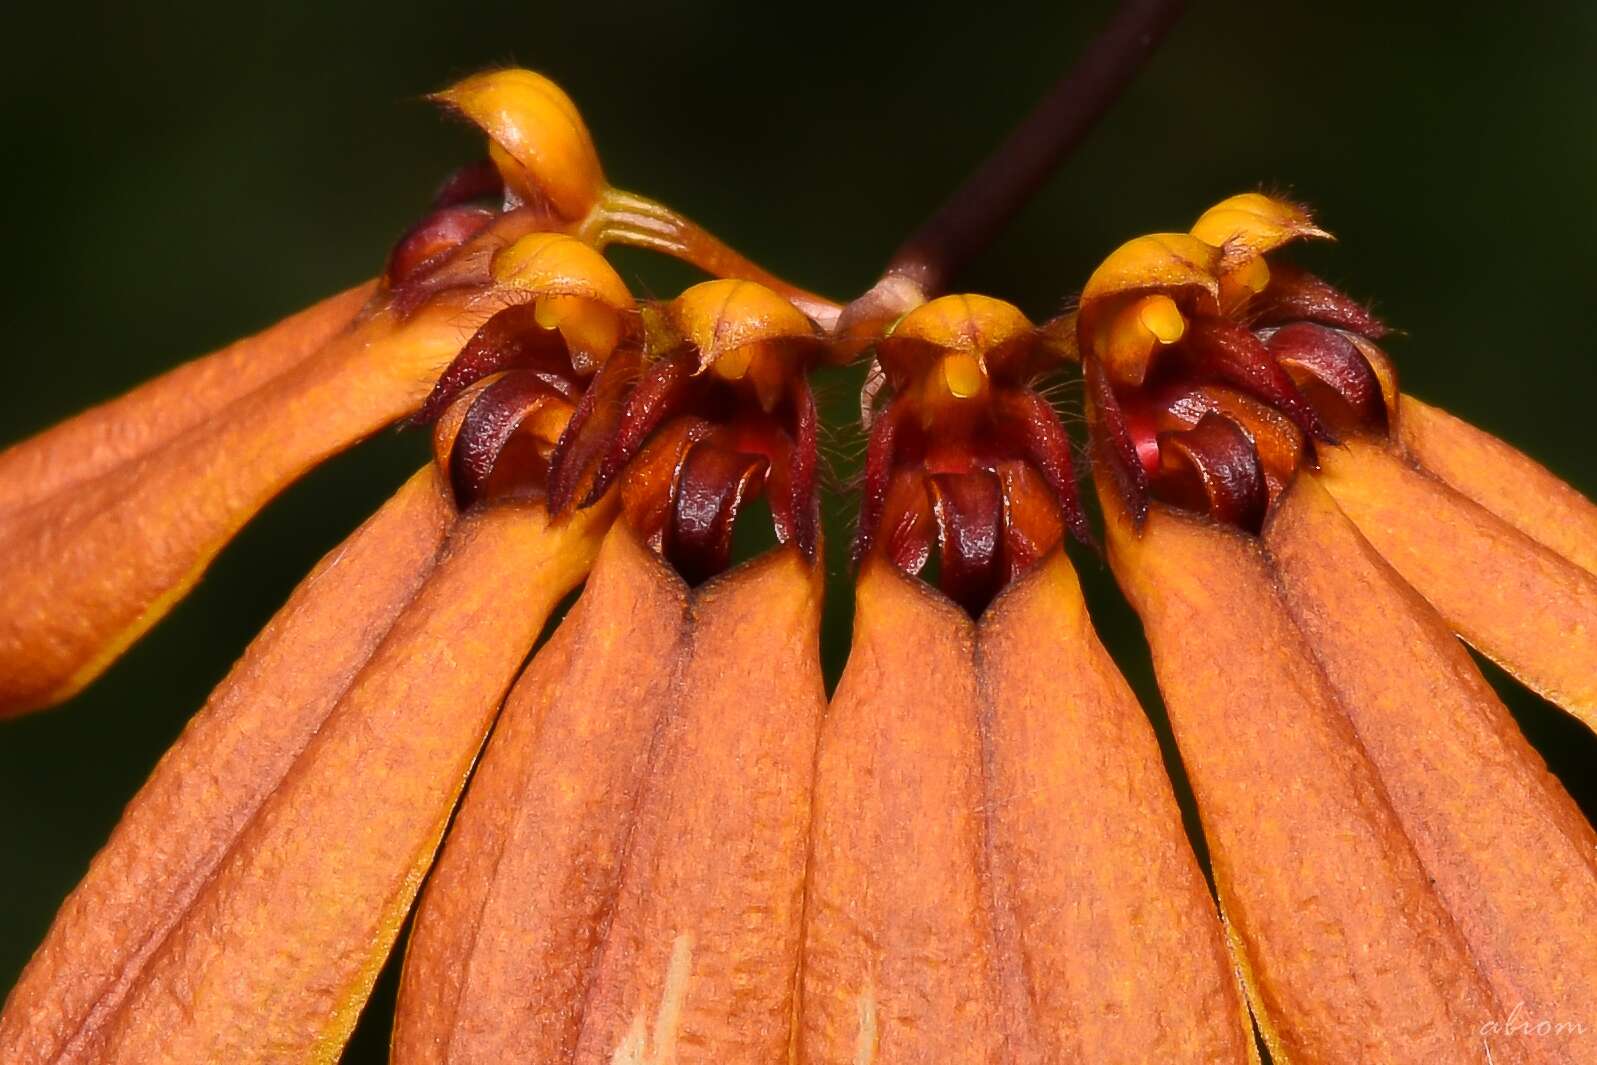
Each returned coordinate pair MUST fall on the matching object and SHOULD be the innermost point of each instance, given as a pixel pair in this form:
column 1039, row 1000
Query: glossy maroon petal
column 1030, row 423
column 511, row 339
column 432, row 239
column 1215, row 467
column 880, row 454
column 1228, row 352
column 1331, row 358
column 1295, row 295
column 969, row 508
column 474, row 181
column 1116, row 450
column 803, row 503
column 661, row 391
column 493, row 419
column 711, row 487
column 593, row 424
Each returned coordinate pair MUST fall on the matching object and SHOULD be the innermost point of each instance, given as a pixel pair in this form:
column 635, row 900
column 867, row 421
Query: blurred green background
column 184, row 173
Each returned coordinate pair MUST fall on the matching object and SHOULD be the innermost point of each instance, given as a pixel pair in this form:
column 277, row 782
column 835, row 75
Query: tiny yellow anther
column 733, row 363
column 1129, row 335
column 964, row 376
column 1161, row 317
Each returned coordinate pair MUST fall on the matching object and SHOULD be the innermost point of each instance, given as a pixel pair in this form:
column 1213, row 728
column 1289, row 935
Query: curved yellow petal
column 722, row 316
column 624, row 879
column 999, row 871
column 278, row 932
column 964, row 322
column 1334, row 915
column 555, row 264
column 1518, row 602
column 1509, row 853
column 537, row 137
column 119, row 430
column 1156, row 261
column 1509, row 484
column 86, row 571
column 1254, row 224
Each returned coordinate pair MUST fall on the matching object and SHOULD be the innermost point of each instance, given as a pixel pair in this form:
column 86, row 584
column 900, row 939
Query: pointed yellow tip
column 1253, row 224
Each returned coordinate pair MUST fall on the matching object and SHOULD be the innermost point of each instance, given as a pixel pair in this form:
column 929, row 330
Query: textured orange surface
column 1351, row 953
column 999, row 871
column 86, row 571
column 1509, row 484
column 1509, row 853
column 1517, row 601
column 290, row 829
column 624, row 881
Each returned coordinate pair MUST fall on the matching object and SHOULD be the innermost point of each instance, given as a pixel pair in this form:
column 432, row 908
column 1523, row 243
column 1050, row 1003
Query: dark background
column 179, row 177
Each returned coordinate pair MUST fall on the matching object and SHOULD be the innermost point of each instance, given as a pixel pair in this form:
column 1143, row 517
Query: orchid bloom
column 650, row 837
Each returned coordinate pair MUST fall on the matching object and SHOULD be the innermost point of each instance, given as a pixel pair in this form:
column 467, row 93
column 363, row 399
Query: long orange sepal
column 86, row 571
column 1520, row 603
column 1348, row 951
column 1517, row 489
column 117, row 431
column 623, row 883
column 999, row 871
column 1508, row 851
column 242, row 909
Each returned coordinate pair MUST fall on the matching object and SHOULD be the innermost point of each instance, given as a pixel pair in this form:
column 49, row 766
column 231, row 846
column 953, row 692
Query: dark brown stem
column 969, row 219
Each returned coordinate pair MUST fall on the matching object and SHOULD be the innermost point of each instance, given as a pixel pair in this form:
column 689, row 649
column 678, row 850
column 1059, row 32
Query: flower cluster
column 673, row 845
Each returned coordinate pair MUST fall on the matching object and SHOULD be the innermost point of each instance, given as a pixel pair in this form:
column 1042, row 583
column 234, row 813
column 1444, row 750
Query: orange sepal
column 999, row 871
column 624, row 880
column 1517, row 601
column 1509, row 852
column 86, row 571
column 243, row 907
column 512, row 916
column 1509, row 484
column 115, row 432
column 1332, row 913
